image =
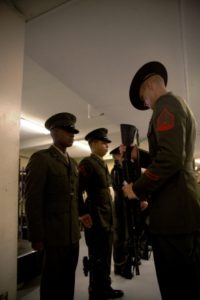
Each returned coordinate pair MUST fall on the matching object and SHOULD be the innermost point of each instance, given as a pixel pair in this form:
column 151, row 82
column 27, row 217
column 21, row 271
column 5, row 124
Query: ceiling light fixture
column 82, row 145
column 197, row 161
column 26, row 124
column 90, row 116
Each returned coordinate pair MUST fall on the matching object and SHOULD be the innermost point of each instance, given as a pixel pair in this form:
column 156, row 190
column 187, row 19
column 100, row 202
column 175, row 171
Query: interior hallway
column 141, row 287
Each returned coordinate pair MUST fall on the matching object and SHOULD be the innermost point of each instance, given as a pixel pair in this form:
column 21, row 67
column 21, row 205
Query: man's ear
column 53, row 132
column 150, row 83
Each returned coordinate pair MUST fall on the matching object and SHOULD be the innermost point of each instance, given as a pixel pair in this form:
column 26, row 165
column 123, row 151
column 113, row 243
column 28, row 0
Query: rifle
column 131, row 172
column 116, row 177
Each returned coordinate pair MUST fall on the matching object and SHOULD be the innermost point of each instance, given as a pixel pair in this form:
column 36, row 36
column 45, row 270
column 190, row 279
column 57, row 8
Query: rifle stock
column 129, row 135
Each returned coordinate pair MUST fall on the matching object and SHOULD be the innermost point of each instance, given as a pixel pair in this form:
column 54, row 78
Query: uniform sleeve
column 145, row 159
column 36, row 174
column 168, row 129
column 85, row 173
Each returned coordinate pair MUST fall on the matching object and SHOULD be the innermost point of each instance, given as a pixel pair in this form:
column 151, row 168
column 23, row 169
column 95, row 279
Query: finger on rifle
column 143, row 205
column 134, row 152
column 122, row 149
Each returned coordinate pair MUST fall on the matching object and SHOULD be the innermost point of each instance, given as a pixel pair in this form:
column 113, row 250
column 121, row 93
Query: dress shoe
column 117, row 271
column 125, row 272
column 97, row 296
column 138, row 262
column 114, row 294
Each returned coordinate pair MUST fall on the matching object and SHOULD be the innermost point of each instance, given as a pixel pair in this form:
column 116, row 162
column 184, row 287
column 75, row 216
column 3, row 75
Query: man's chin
column 70, row 144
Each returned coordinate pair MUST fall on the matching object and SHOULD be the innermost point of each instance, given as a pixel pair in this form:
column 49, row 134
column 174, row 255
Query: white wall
column 94, row 47
column 191, row 43
column 11, row 69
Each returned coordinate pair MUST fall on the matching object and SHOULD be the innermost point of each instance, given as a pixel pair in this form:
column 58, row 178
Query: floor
column 141, row 287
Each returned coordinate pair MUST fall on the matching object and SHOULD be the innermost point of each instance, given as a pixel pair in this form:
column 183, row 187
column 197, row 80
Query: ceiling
column 81, row 55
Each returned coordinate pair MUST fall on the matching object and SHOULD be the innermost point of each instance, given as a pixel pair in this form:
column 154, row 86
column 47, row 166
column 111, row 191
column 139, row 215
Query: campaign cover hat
column 62, row 120
column 115, row 151
column 147, row 70
column 99, row 134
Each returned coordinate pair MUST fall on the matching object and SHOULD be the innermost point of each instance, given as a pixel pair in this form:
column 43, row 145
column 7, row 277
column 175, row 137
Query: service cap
column 62, row 120
column 99, row 134
column 147, row 70
column 115, row 151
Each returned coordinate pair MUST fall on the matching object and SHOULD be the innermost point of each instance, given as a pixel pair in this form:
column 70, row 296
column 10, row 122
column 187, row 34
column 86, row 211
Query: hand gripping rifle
column 131, row 172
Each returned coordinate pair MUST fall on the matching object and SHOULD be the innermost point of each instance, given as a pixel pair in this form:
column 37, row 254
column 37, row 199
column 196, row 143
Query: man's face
column 99, row 147
column 63, row 137
column 145, row 94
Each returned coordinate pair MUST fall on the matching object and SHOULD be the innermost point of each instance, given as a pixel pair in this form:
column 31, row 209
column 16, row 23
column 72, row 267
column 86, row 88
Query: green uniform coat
column 95, row 179
column 175, row 201
column 51, row 198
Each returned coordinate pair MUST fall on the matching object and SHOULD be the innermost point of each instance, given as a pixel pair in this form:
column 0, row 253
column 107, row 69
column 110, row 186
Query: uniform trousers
column 177, row 263
column 99, row 244
column 58, row 273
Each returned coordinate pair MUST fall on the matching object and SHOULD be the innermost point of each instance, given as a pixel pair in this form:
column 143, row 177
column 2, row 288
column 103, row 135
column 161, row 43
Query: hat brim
column 151, row 68
column 99, row 134
column 106, row 140
column 115, row 151
column 70, row 129
column 103, row 139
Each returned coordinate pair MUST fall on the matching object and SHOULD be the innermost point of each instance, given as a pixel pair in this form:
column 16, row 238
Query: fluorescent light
column 82, row 145
column 197, row 161
column 26, row 124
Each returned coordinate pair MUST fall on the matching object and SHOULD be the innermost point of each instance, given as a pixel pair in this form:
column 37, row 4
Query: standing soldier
column 96, row 214
column 174, row 206
column 51, row 193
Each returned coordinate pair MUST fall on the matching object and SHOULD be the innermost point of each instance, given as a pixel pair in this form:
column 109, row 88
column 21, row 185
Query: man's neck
column 60, row 148
column 97, row 155
column 159, row 94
